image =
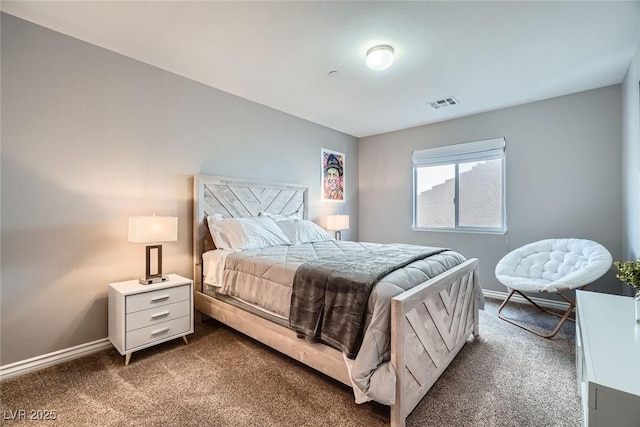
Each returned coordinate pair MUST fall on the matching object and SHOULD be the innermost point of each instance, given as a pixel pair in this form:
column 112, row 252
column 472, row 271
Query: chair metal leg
column 563, row 317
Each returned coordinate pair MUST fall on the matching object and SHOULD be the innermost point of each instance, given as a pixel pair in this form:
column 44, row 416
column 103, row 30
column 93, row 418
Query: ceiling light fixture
column 380, row 57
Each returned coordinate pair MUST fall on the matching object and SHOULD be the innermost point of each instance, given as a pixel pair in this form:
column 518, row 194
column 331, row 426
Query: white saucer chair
column 552, row 265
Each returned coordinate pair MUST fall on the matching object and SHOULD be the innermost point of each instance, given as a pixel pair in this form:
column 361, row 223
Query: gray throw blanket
column 330, row 295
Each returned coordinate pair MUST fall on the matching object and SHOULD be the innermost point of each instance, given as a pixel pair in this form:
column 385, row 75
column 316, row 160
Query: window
column 460, row 187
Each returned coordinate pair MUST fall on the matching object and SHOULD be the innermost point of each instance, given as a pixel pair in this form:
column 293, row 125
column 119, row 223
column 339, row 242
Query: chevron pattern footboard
column 430, row 324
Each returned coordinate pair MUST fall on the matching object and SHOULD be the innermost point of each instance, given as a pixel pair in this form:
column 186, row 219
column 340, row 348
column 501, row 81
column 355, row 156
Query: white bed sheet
column 213, row 266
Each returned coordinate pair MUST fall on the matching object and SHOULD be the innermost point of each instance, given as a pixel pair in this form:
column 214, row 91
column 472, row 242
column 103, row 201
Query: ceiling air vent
column 441, row 103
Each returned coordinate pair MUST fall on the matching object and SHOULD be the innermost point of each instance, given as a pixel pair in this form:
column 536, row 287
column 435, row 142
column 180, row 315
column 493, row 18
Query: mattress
column 263, row 279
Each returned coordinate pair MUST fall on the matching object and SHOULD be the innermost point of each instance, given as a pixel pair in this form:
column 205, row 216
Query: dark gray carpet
column 505, row 377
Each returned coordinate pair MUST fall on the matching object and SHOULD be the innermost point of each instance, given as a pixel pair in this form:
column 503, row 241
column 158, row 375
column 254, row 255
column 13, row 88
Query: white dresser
column 141, row 316
column 608, row 360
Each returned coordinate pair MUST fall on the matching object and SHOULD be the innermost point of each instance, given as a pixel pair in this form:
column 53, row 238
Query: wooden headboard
column 237, row 198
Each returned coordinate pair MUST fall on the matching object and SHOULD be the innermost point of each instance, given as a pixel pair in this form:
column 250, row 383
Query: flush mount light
column 379, row 57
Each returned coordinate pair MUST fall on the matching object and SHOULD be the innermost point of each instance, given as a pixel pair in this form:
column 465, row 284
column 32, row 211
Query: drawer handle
column 161, row 314
column 160, row 298
column 159, row 331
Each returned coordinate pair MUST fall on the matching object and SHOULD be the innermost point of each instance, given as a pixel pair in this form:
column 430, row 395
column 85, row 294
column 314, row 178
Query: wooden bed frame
column 429, row 323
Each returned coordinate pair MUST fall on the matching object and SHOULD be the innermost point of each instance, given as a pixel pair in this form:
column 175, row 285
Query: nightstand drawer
column 157, row 298
column 157, row 332
column 144, row 318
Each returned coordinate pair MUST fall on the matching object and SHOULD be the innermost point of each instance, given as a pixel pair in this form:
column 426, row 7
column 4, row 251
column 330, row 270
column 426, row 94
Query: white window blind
column 459, row 153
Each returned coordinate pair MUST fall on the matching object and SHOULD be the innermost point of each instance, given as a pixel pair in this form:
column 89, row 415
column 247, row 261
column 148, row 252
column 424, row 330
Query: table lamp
column 338, row 223
column 153, row 229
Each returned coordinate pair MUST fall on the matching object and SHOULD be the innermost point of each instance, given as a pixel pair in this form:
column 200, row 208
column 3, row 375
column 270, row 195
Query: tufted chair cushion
column 553, row 265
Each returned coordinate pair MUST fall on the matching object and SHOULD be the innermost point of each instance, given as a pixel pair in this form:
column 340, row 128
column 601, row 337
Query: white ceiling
column 488, row 55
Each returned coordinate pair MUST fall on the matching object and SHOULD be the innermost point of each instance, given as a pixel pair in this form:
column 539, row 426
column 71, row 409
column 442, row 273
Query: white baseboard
column 542, row 302
column 54, row 358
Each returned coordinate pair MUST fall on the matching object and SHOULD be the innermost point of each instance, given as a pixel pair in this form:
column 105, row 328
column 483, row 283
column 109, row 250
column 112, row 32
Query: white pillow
column 237, row 234
column 278, row 217
column 218, row 239
column 303, row 231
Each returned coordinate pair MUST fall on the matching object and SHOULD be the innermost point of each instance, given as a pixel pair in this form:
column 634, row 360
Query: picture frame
column 333, row 175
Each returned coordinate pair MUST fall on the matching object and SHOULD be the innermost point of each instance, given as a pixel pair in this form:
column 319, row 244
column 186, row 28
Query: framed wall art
column 333, row 169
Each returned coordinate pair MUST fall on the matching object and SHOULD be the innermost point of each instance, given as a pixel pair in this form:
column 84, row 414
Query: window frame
column 489, row 149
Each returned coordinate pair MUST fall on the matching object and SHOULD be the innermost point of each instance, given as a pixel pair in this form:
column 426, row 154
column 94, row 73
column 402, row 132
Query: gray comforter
column 264, row 278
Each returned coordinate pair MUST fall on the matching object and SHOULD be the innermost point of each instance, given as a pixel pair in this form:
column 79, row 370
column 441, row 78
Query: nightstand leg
column 184, row 337
column 127, row 358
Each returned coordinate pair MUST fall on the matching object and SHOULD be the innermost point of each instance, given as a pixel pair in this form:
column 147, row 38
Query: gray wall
column 563, row 178
column 89, row 138
column 631, row 162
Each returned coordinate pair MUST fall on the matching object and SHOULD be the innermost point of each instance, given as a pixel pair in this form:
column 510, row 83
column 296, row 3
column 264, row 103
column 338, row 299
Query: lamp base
column 153, row 280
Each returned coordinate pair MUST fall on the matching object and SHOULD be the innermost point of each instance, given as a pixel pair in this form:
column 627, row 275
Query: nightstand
column 141, row 316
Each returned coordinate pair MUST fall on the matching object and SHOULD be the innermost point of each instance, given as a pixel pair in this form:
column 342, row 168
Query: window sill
column 460, row 230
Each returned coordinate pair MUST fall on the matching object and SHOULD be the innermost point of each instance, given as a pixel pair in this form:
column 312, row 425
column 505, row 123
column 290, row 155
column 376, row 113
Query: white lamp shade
column 153, row 229
column 380, row 57
column 338, row 222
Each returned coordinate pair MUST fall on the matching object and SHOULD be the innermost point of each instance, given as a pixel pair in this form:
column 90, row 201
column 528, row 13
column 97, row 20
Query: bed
column 428, row 323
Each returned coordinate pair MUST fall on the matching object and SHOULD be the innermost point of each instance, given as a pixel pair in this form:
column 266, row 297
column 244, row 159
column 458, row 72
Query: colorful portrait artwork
column 332, row 176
